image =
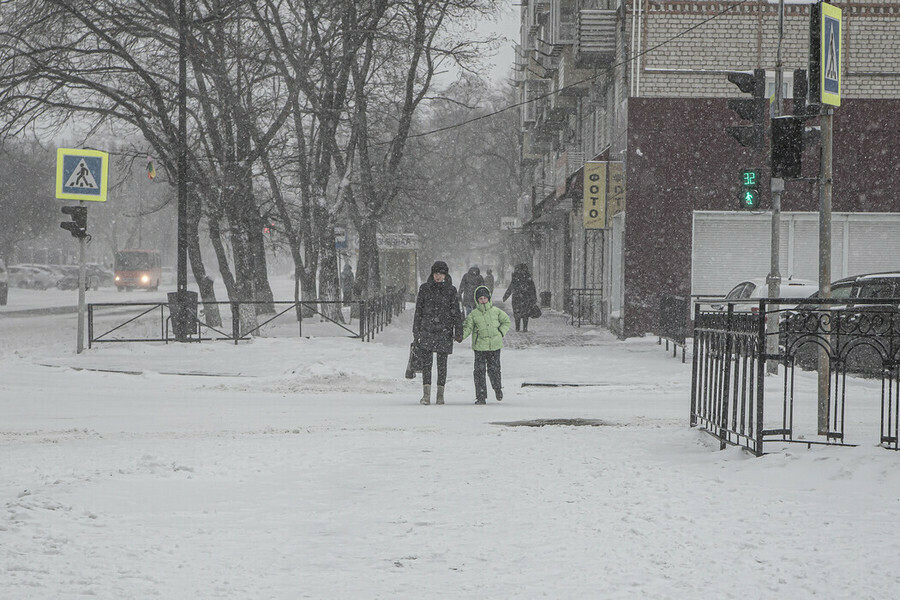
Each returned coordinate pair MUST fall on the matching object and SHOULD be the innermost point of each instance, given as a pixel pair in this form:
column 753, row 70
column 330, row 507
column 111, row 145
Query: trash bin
column 545, row 299
column 183, row 310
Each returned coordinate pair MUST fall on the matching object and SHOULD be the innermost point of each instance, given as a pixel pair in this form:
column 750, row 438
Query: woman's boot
column 426, row 394
column 440, row 395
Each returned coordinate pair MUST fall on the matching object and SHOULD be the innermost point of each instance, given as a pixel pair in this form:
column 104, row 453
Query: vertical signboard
column 830, row 55
column 615, row 193
column 594, row 195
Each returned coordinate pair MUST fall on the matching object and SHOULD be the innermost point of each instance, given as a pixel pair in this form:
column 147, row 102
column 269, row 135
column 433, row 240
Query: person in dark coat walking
column 524, row 295
column 347, row 281
column 467, row 287
column 436, row 324
column 489, row 281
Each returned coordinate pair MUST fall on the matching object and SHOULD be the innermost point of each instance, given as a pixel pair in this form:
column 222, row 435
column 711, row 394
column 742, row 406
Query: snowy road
column 310, row 471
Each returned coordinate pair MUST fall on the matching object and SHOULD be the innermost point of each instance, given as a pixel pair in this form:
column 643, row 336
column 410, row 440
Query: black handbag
column 414, row 364
column 535, row 312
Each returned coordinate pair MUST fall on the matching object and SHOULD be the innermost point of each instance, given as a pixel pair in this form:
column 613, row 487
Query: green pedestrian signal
column 749, row 198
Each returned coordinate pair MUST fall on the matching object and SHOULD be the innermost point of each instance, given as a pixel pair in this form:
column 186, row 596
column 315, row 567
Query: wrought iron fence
column 672, row 322
column 151, row 321
column 587, row 306
column 728, row 369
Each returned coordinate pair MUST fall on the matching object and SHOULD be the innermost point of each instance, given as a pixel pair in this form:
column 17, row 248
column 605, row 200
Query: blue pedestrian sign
column 81, row 174
column 831, row 55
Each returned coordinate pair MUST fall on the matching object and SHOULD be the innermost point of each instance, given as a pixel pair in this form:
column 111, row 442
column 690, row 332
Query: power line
column 577, row 83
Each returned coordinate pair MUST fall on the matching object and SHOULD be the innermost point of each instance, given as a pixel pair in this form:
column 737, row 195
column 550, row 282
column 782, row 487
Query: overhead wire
column 602, row 73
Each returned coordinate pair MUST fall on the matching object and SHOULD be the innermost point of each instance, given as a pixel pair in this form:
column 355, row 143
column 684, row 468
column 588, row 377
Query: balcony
column 561, row 31
column 595, row 38
column 571, row 81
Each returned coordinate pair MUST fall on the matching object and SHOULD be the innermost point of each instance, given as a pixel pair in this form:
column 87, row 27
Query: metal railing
column 672, row 323
column 587, row 306
column 729, row 365
column 374, row 315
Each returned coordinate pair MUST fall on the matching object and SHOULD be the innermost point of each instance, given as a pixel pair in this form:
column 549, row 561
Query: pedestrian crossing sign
column 81, row 174
column 830, row 55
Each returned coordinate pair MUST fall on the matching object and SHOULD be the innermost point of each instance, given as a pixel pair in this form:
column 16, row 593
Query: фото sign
column 594, row 195
column 604, row 193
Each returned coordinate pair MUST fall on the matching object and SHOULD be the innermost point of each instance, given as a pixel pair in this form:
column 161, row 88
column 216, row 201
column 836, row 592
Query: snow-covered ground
column 305, row 468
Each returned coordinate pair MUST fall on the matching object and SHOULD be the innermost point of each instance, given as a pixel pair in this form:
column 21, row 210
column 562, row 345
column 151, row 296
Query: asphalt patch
column 556, row 422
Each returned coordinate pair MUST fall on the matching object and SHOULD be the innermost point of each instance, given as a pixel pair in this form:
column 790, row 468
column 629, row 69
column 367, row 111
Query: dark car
column 4, row 283
column 860, row 312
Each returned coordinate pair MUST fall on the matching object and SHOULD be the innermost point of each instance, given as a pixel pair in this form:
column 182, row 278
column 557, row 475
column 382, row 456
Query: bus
column 137, row 269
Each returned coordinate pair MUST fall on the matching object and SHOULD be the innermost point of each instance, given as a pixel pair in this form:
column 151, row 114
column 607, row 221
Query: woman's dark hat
column 440, row 267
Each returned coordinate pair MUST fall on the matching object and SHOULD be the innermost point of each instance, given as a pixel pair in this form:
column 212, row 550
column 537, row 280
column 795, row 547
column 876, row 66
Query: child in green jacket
column 487, row 325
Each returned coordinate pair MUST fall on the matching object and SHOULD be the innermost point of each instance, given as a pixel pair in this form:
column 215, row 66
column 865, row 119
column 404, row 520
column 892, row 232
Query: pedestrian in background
column 436, row 324
column 489, row 280
column 524, row 295
column 487, row 325
column 467, row 287
column 347, row 281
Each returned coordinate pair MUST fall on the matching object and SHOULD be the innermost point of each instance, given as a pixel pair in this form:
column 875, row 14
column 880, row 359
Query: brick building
column 643, row 83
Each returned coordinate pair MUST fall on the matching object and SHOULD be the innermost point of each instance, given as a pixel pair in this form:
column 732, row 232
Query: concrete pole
column 824, row 367
column 79, row 345
column 777, row 187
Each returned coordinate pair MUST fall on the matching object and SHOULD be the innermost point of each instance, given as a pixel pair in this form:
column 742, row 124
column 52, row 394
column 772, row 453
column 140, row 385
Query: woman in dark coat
column 524, row 295
column 436, row 324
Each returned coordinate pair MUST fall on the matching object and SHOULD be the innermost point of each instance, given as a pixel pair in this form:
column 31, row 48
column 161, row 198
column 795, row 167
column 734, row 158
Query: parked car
column 99, row 276
column 4, row 283
column 42, row 277
column 757, row 289
column 858, row 318
column 69, row 280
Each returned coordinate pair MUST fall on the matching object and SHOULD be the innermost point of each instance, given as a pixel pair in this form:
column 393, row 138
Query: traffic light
column 787, row 146
column 78, row 225
column 815, row 53
column 749, row 198
column 800, row 105
column 749, row 109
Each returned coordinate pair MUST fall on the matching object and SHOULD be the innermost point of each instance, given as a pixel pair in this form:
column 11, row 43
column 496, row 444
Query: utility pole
column 777, row 187
column 824, row 367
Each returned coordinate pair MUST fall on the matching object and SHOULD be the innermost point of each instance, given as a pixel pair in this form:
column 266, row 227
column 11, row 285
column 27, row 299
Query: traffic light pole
column 824, row 367
column 777, row 187
column 79, row 346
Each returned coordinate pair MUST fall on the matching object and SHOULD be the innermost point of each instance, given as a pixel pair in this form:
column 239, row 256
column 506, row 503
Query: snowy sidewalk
column 316, row 474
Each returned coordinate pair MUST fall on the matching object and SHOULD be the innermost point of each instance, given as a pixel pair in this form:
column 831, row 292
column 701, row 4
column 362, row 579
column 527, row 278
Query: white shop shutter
column 874, row 243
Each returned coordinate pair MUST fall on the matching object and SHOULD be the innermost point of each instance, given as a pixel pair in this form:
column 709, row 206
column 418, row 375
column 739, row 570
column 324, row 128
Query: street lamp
column 182, row 303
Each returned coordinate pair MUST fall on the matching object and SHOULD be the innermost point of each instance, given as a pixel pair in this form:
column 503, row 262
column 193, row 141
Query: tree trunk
column 368, row 275
column 329, row 285
column 262, row 291
column 212, row 317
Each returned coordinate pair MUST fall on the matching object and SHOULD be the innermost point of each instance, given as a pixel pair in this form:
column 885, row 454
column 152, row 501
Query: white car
column 757, row 289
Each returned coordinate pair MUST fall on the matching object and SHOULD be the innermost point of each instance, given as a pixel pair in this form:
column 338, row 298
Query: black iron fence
column 728, row 384
column 672, row 322
column 587, row 306
column 152, row 321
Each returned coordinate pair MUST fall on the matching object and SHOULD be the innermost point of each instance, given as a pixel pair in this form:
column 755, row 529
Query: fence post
column 694, row 365
column 362, row 320
column 236, row 321
column 726, row 383
column 300, row 318
column 90, row 324
column 760, row 375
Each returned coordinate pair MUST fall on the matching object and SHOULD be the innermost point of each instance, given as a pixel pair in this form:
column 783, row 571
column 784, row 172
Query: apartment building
column 642, row 85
